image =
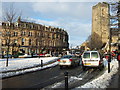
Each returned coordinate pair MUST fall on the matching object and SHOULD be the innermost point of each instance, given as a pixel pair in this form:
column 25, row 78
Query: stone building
column 27, row 37
column 100, row 25
column 101, row 28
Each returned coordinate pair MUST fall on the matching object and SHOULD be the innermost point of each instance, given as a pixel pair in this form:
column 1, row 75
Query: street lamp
column 109, row 59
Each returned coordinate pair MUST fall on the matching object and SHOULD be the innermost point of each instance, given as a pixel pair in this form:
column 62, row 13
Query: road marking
column 76, row 78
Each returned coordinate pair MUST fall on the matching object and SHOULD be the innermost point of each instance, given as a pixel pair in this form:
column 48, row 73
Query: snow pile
column 103, row 80
column 23, row 65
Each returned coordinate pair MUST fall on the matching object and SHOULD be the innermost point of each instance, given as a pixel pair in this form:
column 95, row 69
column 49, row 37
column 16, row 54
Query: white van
column 92, row 59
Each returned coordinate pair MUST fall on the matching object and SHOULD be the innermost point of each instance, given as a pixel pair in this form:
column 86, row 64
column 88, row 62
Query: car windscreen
column 94, row 55
column 67, row 56
column 86, row 55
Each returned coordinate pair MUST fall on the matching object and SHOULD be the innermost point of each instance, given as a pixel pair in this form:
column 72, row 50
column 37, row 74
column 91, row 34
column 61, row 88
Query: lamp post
column 109, row 59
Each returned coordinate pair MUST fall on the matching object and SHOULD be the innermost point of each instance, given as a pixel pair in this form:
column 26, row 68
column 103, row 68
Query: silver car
column 68, row 60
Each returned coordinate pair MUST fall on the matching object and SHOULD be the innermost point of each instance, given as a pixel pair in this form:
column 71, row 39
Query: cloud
column 74, row 17
column 59, row 0
column 75, row 10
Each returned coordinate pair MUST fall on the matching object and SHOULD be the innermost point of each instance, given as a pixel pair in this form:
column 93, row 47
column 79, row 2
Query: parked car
column 41, row 55
column 9, row 56
column 48, row 55
column 68, row 60
column 92, row 59
column 25, row 56
column 35, row 55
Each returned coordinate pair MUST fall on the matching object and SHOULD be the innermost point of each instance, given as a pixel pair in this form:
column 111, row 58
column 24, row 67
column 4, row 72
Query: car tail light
column 70, row 59
column 58, row 60
column 99, row 62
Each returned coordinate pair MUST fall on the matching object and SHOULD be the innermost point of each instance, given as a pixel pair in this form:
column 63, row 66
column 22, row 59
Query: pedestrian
column 118, row 56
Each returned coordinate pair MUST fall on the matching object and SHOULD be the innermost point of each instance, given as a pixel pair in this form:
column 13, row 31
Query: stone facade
column 100, row 25
column 101, row 28
column 28, row 37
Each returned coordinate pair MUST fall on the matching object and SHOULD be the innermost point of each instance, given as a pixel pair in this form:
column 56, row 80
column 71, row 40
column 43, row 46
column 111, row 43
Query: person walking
column 118, row 57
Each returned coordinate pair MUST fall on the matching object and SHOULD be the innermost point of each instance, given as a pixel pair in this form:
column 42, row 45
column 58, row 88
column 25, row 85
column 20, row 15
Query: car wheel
column 84, row 68
column 61, row 67
column 78, row 63
column 101, row 67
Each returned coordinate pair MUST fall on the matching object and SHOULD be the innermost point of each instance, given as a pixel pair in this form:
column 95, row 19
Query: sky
column 73, row 16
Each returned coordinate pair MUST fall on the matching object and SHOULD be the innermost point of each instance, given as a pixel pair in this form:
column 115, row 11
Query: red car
column 41, row 55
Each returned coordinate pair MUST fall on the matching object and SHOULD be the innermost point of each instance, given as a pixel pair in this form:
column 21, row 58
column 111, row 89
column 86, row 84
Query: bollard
column 109, row 60
column 66, row 80
column 108, row 67
column 41, row 63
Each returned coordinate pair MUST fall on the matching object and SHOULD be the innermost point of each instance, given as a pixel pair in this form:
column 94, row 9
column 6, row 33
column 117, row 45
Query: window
column 43, row 43
column 15, row 33
column 68, row 56
column 24, row 25
column 38, row 34
column 53, row 36
column 7, row 42
column 94, row 55
column 48, row 35
column 31, row 26
column 23, row 33
column 86, row 55
column 23, row 41
column 36, row 42
column 30, row 41
column 8, row 33
column 30, row 34
column 64, row 39
column 15, row 41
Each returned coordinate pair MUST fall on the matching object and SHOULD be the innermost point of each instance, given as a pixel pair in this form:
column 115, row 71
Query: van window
column 67, row 56
column 86, row 55
column 94, row 55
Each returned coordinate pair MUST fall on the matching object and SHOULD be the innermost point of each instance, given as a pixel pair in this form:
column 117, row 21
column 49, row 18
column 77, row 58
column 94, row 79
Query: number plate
column 64, row 61
column 87, row 63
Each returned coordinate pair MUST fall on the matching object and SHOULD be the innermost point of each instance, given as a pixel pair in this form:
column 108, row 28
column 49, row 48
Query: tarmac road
column 47, row 77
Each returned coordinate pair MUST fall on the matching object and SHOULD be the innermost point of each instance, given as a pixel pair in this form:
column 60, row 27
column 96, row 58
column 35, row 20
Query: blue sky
column 74, row 17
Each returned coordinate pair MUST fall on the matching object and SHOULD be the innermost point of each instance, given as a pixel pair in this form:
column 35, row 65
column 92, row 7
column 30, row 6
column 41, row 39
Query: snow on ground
column 104, row 79
column 14, row 65
column 101, row 81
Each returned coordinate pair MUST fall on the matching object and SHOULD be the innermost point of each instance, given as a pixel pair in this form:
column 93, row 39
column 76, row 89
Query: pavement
column 115, row 81
column 20, row 70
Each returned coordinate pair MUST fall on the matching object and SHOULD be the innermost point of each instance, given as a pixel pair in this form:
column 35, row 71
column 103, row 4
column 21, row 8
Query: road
column 45, row 78
column 115, row 80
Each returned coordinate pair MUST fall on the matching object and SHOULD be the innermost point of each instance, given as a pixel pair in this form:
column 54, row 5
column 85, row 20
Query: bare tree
column 10, row 15
column 115, row 18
